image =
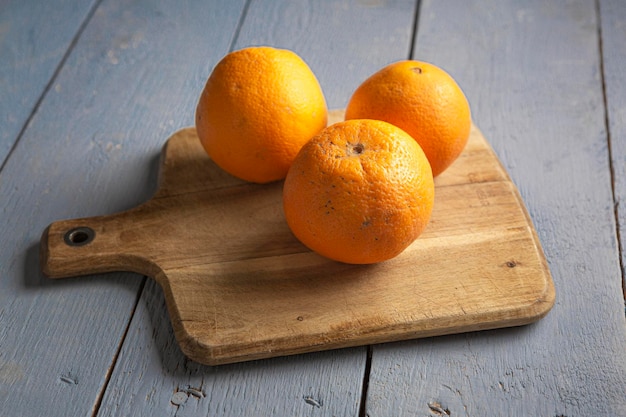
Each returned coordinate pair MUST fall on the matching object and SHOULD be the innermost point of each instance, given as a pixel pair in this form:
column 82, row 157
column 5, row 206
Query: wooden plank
column 34, row 38
column 151, row 368
column 613, row 18
column 91, row 148
column 343, row 41
column 532, row 75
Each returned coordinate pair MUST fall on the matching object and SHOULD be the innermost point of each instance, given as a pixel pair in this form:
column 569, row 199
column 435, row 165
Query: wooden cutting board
column 239, row 286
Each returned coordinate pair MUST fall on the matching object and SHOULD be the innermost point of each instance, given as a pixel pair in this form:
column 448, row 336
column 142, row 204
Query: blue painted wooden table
column 91, row 89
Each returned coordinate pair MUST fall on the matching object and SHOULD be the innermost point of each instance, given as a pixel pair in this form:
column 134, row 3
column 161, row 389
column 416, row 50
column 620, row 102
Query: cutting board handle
column 135, row 240
column 93, row 245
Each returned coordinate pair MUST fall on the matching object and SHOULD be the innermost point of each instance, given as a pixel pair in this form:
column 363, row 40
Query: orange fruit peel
column 421, row 99
column 359, row 192
column 258, row 107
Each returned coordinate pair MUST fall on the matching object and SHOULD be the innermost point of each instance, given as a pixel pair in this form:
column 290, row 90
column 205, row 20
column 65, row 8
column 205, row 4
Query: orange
column 423, row 100
column 360, row 192
column 258, row 107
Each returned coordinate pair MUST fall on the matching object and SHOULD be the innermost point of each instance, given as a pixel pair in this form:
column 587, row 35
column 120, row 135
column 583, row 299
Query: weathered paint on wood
column 109, row 109
column 325, row 384
column 613, row 31
column 343, row 41
column 91, row 148
column 34, row 38
column 531, row 71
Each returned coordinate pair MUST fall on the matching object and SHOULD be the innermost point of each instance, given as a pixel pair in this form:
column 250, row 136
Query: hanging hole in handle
column 79, row 236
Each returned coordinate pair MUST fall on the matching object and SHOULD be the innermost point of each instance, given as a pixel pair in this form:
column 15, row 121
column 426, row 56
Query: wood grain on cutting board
column 240, row 286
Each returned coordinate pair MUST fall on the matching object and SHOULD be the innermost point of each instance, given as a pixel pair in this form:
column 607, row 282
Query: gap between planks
column 51, row 81
column 109, row 373
column 610, row 148
column 416, row 18
column 242, row 17
column 366, row 382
